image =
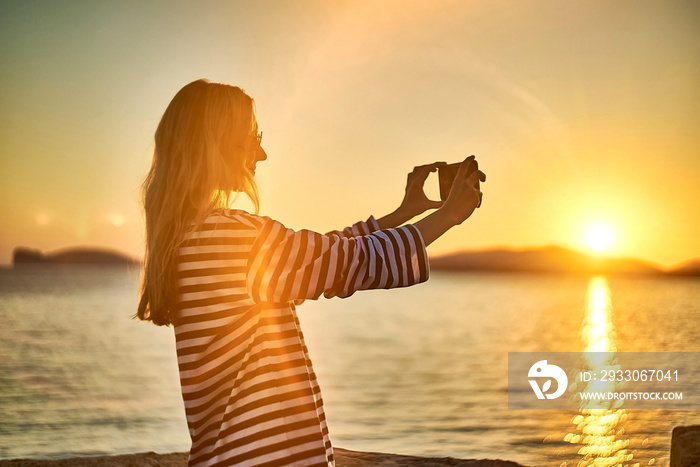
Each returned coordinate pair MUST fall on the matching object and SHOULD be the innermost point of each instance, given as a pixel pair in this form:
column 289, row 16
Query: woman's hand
column 415, row 201
column 465, row 195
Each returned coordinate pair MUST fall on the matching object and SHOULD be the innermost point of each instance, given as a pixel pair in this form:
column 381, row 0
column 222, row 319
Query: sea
column 418, row 371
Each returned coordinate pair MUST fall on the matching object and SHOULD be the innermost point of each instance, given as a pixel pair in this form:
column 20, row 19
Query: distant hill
column 22, row 255
column 689, row 268
column 553, row 259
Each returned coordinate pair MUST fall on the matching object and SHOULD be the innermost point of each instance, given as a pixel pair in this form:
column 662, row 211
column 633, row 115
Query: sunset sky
column 583, row 114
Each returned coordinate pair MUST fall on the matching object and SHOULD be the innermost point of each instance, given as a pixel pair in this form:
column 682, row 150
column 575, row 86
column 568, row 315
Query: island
column 555, row 260
column 24, row 256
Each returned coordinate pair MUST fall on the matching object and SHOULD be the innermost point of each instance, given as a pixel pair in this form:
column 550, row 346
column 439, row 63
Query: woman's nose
column 261, row 154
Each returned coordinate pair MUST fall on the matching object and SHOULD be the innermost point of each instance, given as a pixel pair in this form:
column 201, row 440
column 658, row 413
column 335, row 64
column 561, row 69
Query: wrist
column 396, row 218
column 447, row 217
column 403, row 214
column 434, row 225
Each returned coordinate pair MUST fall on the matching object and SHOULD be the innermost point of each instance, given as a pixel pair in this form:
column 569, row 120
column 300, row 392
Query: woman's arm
column 285, row 265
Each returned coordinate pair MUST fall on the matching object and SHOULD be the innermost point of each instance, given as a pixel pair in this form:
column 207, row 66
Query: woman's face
column 258, row 151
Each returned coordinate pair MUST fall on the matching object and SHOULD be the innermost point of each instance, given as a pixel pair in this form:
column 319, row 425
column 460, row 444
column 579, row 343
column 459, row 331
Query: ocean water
column 421, row 370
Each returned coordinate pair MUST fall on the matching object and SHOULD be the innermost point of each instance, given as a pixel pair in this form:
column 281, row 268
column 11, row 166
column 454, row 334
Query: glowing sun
column 599, row 237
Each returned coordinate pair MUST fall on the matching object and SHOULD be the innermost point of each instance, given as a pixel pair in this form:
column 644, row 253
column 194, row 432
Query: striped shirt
column 250, row 392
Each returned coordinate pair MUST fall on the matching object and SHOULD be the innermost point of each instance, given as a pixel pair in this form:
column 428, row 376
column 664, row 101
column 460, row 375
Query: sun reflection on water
column 600, row 432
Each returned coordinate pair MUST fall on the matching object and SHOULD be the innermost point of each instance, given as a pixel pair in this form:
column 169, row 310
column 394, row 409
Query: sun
column 600, row 237
column 116, row 219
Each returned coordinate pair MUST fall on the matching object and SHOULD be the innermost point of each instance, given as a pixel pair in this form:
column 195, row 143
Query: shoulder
column 234, row 218
column 238, row 219
column 226, row 223
column 239, row 216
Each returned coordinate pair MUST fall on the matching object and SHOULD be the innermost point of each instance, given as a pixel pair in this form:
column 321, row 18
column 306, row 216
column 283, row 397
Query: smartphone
column 447, row 174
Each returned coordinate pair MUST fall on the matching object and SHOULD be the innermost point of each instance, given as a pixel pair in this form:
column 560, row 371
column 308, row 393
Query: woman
column 228, row 280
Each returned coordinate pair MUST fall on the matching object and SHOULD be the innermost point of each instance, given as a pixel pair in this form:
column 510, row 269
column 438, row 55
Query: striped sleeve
column 289, row 265
column 357, row 229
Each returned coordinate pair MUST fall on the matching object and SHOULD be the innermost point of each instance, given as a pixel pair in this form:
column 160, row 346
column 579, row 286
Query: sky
column 581, row 113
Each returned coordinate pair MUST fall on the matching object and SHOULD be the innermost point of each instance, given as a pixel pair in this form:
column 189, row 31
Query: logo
column 542, row 370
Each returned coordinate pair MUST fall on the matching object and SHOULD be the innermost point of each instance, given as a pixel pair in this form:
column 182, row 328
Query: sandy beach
column 345, row 458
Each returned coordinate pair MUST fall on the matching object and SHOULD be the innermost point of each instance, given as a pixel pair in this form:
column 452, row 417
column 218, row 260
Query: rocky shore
column 345, row 458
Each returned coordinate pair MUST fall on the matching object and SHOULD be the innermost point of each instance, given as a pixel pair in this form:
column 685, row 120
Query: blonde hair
column 203, row 146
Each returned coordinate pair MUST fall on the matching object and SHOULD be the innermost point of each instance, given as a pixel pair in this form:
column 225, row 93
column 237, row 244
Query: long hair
column 203, row 146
